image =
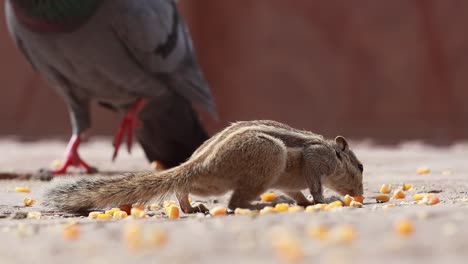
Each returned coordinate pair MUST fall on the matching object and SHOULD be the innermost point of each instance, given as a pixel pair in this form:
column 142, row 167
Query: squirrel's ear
column 342, row 143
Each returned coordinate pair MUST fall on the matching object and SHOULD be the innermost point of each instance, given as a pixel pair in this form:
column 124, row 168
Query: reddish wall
column 383, row 69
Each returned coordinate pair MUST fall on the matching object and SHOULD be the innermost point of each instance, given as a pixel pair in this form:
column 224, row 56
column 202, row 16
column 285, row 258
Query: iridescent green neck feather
column 54, row 15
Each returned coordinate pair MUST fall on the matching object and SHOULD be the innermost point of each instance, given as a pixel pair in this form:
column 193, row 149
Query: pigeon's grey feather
column 125, row 51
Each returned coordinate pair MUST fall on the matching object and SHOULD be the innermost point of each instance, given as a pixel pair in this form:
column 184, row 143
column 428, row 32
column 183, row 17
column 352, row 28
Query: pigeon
column 131, row 56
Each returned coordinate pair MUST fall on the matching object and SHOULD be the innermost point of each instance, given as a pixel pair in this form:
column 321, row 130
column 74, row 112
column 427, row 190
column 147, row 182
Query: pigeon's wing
column 156, row 38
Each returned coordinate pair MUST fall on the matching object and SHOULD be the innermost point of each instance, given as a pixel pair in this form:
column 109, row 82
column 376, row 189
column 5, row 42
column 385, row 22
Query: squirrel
column 247, row 158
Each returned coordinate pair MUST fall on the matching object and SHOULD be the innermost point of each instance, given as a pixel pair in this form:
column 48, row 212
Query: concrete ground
column 440, row 231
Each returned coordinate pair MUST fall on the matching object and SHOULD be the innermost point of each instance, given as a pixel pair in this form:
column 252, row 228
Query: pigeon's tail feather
column 170, row 130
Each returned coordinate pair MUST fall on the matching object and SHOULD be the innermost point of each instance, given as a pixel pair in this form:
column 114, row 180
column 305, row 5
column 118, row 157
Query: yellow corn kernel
column 34, row 215
column 242, row 211
column 132, row 236
column 423, row 170
column 382, row 198
column 295, row 209
column 286, row 246
column 319, row 232
column 173, row 212
column 355, row 204
column 333, row 205
column 388, row 206
column 28, row 201
column 218, row 211
column 56, row 163
column 137, row 213
column 71, row 231
column 23, row 189
column 112, row 211
column 190, row 199
column 430, row 199
column 315, row 208
column 344, row 234
column 406, row 187
column 404, row 227
column 268, row 197
column 119, row 215
column 386, row 188
column 347, row 200
column 419, row 196
column 158, row 237
column 94, row 215
column 282, row 207
column 157, row 165
column 104, row 216
column 359, row 199
column 268, row 210
column 399, row 194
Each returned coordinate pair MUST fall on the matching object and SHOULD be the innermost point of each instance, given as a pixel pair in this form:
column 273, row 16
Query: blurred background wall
column 386, row 70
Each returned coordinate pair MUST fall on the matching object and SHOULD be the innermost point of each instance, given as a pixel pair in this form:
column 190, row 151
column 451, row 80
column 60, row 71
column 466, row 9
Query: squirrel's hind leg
column 187, row 207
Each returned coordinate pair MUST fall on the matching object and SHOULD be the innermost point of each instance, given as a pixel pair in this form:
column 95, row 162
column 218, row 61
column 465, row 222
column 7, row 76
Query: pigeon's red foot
column 72, row 158
column 128, row 123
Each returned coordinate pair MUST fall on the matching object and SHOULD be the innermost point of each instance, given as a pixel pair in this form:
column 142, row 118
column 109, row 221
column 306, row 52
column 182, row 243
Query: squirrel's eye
column 360, row 167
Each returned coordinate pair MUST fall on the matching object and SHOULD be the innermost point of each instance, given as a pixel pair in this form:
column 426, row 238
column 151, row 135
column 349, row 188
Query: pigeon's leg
column 127, row 125
column 72, row 158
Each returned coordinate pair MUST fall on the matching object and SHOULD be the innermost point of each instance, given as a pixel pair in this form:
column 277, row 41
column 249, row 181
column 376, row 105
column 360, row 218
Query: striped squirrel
column 248, row 158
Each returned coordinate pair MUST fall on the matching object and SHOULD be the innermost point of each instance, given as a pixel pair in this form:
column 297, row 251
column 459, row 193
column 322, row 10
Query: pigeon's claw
column 72, row 158
column 128, row 123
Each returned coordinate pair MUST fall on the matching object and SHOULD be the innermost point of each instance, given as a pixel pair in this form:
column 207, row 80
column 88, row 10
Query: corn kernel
column 268, row 197
column 94, row 215
column 399, row 194
column 137, row 213
column 404, row 227
column 112, row 211
column 382, row 198
column 359, row 199
column 28, row 201
column 173, row 212
column 315, row 208
column 430, row 199
column 157, row 165
column 286, row 246
column 56, row 163
column 71, row 231
column 333, row 205
column 158, row 237
column 386, row 188
column 355, row 204
column 295, row 209
column 319, row 232
column 242, row 211
column 23, row 189
column 282, row 207
column 190, row 199
column 218, row 211
column 344, row 234
column 347, row 200
column 423, row 170
column 119, row 215
column 419, row 196
column 132, row 236
column 388, row 206
column 34, row 215
column 104, row 216
column 406, row 187
column 268, row 210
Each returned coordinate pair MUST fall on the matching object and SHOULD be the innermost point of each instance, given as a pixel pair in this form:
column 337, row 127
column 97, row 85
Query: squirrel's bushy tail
column 90, row 192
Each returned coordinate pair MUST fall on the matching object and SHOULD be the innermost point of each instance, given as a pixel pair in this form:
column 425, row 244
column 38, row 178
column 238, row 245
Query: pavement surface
column 440, row 231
